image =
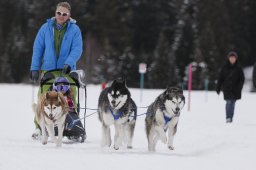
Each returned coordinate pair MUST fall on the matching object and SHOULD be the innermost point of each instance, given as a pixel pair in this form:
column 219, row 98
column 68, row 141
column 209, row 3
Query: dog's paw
column 37, row 134
column 129, row 147
column 44, row 142
column 36, row 137
column 116, row 147
column 171, row 147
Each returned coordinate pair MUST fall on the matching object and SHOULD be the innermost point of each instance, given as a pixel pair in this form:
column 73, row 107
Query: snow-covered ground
column 203, row 141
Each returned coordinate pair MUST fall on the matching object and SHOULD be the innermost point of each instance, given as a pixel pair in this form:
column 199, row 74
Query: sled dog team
column 116, row 107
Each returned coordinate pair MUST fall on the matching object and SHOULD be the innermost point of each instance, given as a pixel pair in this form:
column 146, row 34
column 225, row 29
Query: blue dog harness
column 116, row 116
column 166, row 118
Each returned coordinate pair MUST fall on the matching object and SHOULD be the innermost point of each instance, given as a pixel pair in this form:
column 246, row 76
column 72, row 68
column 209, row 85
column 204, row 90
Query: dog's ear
column 180, row 90
column 114, row 83
column 168, row 91
column 176, row 90
column 47, row 95
column 163, row 95
column 63, row 102
column 52, row 94
column 121, row 80
column 124, row 82
column 41, row 102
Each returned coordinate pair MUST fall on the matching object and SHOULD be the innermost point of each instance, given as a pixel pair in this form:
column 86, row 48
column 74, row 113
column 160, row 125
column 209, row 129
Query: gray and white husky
column 163, row 116
column 117, row 108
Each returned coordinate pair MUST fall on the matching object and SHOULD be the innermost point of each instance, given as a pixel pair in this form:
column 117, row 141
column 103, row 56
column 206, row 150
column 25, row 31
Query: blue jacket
column 44, row 55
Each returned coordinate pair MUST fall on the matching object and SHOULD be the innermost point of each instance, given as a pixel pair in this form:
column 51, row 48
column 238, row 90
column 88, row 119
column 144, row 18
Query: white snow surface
column 204, row 141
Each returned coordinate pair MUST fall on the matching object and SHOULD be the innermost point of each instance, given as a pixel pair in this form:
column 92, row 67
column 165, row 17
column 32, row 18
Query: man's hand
column 34, row 75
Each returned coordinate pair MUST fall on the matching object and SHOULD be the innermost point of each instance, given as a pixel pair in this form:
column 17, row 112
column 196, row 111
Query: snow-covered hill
column 203, row 141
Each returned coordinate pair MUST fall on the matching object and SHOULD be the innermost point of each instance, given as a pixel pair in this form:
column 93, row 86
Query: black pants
column 73, row 126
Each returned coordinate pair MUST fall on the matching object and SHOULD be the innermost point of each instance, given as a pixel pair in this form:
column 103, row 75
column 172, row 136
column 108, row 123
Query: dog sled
column 74, row 128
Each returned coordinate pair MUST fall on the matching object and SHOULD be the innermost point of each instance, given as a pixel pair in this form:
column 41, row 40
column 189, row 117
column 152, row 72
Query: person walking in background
column 230, row 81
column 57, row 46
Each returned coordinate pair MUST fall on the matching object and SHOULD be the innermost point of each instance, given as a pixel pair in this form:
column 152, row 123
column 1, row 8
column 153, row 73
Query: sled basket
column 74, row 128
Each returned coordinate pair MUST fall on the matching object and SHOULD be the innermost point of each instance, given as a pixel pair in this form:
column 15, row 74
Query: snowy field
column 203, row 141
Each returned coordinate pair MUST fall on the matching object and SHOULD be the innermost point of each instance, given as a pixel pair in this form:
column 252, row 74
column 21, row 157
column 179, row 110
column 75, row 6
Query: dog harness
column 166, row 118
column 116, row 116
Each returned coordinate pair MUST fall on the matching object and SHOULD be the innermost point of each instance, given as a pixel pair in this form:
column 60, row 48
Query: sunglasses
column 62, row 13
column 60, row 88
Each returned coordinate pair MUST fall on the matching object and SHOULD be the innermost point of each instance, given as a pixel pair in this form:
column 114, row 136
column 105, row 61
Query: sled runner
column 72, row 84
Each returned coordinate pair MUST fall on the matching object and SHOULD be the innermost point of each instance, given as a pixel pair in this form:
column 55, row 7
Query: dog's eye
column 54, row 107
column 48, row 107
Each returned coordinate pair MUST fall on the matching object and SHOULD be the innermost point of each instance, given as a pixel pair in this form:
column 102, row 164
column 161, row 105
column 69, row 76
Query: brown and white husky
column 51, row 110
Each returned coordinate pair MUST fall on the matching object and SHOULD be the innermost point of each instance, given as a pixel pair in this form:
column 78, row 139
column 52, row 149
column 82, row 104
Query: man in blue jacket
column 57, row 47
column 58, row 44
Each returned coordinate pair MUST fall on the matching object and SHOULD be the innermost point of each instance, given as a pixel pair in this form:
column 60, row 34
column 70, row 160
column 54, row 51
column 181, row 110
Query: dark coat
column 231, row 80
column 254, row 75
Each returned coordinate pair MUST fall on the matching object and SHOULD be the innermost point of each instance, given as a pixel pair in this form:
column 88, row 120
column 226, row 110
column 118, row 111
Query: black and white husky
column 162, row 116
column 117, row 108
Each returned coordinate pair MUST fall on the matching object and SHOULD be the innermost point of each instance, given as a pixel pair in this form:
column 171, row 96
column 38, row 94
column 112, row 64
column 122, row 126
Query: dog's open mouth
column 176, row 113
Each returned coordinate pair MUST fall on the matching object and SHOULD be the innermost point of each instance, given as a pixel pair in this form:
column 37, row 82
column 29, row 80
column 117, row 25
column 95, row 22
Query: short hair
column 65, row 5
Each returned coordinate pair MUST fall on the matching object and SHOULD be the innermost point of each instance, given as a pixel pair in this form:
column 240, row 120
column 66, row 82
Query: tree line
column 167, row 35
